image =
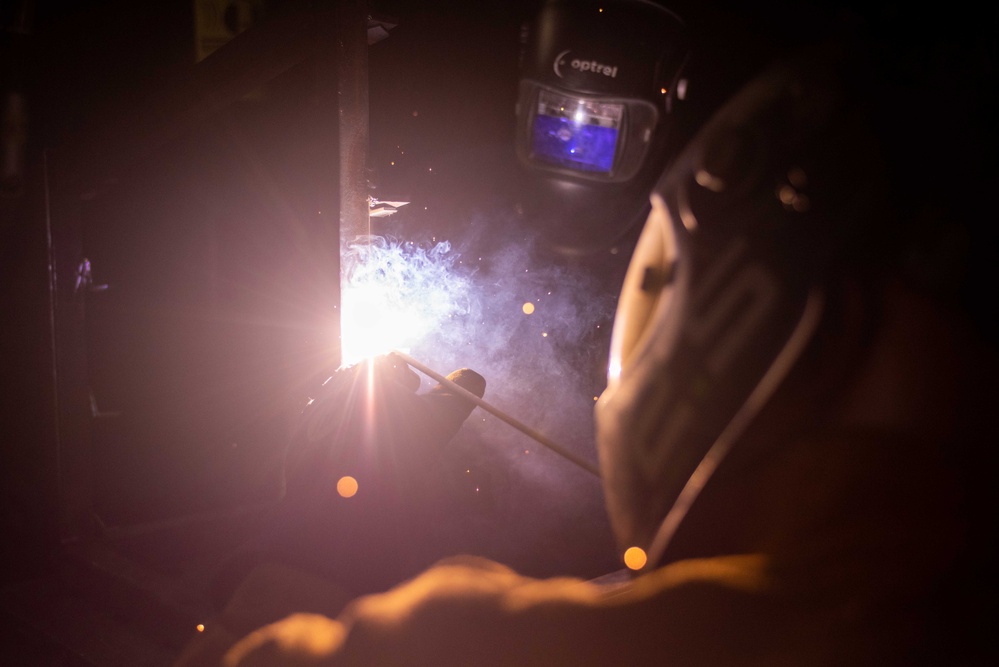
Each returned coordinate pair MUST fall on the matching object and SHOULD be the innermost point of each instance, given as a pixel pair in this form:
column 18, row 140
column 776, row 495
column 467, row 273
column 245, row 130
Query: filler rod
column 520, row 426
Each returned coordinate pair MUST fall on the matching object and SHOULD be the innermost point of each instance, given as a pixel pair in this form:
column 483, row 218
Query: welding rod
column 523, row 428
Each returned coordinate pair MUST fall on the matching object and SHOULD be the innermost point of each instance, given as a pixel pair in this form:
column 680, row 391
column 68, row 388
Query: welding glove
column 369, row 419
column 367, row 500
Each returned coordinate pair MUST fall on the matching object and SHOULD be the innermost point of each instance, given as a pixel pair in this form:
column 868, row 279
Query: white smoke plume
column 462, row 304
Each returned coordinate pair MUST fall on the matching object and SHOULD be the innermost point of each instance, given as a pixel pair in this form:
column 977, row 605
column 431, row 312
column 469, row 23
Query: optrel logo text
column 563, row 59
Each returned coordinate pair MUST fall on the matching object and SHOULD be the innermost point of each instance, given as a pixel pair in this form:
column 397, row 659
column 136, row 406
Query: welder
column 794, row 434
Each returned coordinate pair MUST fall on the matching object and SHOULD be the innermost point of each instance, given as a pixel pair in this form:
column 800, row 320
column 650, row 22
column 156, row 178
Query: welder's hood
column 726, row 285
column 596, row 87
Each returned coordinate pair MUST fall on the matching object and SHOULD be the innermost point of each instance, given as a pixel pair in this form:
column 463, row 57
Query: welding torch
column 493, row 410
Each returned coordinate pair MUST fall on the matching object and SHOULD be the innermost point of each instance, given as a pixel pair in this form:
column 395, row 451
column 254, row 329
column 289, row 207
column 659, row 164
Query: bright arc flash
column 393, row 294
column 370, row 324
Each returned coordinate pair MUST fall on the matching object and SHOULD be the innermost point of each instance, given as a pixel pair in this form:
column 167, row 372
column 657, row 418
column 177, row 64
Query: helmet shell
column 597, row 83
column 763, row 211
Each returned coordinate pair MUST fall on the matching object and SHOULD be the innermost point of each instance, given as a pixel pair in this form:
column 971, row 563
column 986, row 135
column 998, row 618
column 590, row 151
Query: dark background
column 161, row 386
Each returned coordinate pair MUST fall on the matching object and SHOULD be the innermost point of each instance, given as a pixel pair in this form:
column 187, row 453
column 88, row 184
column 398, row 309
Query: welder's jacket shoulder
column 838, row 575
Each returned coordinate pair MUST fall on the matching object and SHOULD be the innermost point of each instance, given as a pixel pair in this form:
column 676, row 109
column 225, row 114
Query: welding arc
column 520, row 426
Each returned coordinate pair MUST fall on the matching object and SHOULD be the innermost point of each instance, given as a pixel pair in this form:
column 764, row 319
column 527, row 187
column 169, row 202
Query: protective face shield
column 727, row 286
column 597, row 85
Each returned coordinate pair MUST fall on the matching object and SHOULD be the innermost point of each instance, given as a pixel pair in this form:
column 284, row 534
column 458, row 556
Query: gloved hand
column 367, row 423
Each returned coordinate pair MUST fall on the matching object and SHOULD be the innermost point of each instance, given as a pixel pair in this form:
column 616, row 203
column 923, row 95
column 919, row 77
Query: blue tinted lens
column 576, row 134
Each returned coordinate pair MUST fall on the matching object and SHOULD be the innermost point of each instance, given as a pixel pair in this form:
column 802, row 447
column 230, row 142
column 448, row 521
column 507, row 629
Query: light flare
column 393, row 294
column 635, row 558
column 346, row 486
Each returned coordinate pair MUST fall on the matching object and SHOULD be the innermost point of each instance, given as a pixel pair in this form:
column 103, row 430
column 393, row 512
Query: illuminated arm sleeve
column 476, row 612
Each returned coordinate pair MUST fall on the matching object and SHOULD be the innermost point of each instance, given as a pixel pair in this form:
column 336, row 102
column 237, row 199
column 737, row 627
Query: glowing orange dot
column 346, row 486
column 528, row 308
column 635, row 558
column 201, row 628
column 786, row 195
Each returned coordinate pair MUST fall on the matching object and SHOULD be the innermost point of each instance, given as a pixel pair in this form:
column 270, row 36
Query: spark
column 346, row 486
column 635, row 558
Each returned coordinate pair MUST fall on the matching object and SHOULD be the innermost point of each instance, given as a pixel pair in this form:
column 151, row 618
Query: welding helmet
column 730, row 284
column 597, row 86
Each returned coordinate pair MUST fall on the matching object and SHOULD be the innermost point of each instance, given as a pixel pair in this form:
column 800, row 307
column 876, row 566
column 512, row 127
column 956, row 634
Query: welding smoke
column 462, row 304
column 395, row 294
